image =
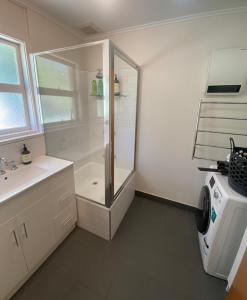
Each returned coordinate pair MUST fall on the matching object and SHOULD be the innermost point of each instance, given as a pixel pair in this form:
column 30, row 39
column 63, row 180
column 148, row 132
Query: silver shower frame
column 108, row 62
column 109, row 50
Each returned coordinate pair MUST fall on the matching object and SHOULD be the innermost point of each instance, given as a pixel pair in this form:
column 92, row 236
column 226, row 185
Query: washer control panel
column 217, row 196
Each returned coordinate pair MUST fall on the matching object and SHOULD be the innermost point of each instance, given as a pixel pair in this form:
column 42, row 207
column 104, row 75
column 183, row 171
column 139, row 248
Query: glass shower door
column 125, row 106
column 70, row 87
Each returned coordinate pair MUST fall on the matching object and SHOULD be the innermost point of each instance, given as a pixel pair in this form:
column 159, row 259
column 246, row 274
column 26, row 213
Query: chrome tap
column 2, row 165
column 12, row 165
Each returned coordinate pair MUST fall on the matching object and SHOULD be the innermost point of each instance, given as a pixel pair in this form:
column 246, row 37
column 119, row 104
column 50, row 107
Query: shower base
column 90, row 181
column 98, row 219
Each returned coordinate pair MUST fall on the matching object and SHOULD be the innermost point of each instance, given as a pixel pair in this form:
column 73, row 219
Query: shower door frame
column 111, row 51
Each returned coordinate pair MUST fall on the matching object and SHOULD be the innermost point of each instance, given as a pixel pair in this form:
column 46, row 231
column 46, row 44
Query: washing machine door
column 203, row 215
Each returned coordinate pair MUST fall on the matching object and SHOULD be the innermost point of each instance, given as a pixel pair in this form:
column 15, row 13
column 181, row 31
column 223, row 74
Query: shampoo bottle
column 100, row 89
column 116, row 86
column 94, row 88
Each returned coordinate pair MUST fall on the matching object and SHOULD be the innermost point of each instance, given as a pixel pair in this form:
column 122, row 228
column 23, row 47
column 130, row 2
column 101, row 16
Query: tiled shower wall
column 83, row 141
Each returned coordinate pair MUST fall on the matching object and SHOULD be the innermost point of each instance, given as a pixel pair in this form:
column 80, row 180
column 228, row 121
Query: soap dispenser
column 26, row 156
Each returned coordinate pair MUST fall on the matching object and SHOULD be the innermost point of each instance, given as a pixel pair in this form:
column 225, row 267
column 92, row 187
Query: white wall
column 173, row 60
column 40, row 33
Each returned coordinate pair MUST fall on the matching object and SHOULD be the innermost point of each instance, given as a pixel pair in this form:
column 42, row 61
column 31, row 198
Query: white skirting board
column 103, row 221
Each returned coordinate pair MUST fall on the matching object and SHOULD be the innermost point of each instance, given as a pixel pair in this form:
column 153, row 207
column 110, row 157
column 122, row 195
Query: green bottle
column 94, row 88
column 100, row 88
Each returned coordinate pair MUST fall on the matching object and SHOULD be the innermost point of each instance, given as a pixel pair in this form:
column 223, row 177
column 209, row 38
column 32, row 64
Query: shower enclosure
column 89, row 123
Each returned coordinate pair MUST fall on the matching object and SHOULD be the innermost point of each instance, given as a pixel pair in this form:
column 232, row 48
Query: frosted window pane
column 12, row 112
column 57, row 109
column 53, row 74
column 8, row 65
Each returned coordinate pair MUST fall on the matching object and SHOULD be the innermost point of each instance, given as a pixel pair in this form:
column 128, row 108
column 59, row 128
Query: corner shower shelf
column 117, row 96
column 200, row 116
column 121, row 96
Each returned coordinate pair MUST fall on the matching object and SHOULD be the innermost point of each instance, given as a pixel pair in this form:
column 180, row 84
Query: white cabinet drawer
column 62, row 178
column 61, row 198
column 65, row 220
column 65, row 200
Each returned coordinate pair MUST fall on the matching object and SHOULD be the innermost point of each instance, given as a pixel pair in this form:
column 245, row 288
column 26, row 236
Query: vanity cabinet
column 13, row 268
column 36, row 231
column 32, row 225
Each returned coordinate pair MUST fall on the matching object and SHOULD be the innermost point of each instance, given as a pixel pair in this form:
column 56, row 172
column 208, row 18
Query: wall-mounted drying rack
column 202, row 131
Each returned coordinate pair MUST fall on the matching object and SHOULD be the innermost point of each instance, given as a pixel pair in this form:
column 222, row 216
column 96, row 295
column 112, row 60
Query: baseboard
column 165, row 201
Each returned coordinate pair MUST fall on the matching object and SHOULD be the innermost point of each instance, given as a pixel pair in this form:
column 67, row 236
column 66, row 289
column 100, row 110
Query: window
column 16, row 110
column 57, row 89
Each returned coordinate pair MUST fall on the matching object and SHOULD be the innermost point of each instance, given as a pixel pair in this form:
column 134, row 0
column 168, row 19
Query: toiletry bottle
column 100, row 88
column 26, row 156
column 94, row 88
column 116, row 86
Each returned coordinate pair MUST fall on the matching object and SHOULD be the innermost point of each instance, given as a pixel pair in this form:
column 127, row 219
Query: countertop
column 26, row 176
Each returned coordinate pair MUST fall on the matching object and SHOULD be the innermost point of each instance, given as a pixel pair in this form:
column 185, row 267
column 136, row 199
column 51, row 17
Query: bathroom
column 111, row 153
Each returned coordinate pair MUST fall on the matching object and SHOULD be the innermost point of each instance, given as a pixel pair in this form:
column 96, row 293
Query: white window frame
column 39, row 91
column 32, row 126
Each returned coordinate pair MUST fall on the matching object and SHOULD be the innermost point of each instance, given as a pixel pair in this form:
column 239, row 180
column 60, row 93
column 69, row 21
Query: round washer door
column 203, row 215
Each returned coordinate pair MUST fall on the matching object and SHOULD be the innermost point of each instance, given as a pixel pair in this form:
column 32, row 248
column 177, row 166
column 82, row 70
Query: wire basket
column 237, row 177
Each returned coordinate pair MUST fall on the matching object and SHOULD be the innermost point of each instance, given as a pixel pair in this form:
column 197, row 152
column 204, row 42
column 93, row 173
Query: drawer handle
column 25, row 229
column 66, row 221
column 15, row 238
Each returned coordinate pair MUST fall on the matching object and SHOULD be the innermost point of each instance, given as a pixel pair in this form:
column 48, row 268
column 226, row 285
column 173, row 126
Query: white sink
column 21, row 177
column 15, row 182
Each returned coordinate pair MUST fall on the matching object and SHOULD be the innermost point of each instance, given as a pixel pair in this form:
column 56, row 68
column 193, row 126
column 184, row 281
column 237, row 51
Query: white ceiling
column 110, row 15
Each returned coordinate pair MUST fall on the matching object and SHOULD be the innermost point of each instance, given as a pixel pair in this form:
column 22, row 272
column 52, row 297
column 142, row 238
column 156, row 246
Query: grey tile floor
column 154, row 256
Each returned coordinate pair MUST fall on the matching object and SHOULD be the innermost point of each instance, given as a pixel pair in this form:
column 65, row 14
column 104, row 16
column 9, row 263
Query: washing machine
column 221, row 222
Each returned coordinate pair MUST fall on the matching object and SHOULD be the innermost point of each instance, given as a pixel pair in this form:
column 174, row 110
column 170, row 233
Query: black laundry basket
column 237, row 177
